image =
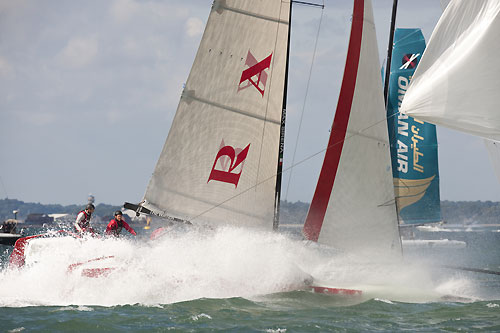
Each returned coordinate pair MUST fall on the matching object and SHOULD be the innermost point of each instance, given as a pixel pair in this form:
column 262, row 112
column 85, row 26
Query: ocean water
column 236, row 280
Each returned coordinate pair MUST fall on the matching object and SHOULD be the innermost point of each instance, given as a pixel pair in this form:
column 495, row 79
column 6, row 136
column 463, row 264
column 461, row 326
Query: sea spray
column 226, row 262
column 414, row 281
column 180, row 266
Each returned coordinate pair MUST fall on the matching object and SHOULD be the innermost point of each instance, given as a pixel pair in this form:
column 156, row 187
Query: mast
column 389, row 50
column 386, row 90
column 279, row 170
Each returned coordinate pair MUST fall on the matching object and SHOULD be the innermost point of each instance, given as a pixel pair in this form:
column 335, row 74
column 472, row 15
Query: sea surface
column 236, row 280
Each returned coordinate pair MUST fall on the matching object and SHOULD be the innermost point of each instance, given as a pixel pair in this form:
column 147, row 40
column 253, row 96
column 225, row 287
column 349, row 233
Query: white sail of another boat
column 219, row 161
column 353, row 208
column 457, row 81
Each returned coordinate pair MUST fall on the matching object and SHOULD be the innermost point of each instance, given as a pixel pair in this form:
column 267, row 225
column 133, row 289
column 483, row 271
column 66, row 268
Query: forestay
column 457, row 81
column 353, row 207
column 219, row 161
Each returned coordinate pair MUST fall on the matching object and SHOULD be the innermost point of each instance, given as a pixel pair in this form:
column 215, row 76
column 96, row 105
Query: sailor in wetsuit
column 115, row 226
column 82, row 223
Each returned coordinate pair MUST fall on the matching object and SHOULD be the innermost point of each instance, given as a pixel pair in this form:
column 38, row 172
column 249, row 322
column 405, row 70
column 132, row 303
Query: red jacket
column 115, row 227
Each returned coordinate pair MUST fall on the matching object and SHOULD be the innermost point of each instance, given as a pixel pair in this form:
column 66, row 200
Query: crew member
column 82, row 223
column 115, row 226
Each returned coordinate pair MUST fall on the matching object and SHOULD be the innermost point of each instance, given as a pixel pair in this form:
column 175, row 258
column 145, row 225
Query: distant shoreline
column 469, row 213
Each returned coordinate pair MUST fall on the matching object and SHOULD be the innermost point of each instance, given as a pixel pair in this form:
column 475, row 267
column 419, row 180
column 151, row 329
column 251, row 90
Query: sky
column 88, row 90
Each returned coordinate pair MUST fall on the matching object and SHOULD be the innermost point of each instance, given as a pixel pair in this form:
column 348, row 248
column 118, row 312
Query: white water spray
column 180, row 266
column 228, row 262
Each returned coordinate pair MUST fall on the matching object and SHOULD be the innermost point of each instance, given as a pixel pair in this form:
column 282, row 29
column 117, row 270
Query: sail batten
column 220, row 7
column 366, row 136
column 190, row 96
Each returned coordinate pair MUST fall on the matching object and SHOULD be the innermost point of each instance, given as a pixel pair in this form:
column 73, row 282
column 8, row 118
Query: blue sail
column 413, row 142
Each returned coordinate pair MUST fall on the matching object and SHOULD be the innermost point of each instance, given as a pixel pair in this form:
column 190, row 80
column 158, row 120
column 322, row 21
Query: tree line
column 453, row 212
column 7, row 206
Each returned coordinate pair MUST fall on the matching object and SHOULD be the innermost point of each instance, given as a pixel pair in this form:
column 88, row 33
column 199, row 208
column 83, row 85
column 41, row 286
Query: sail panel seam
column 369, row 137
column 189, row 95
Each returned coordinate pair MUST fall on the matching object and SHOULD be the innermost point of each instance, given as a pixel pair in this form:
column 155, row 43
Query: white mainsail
column 457, row 81
column 353, row 207
column 219, row 161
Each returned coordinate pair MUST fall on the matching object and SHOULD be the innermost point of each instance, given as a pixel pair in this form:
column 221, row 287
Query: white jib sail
column 219, row 161
column 457, row 81
column 360, row 214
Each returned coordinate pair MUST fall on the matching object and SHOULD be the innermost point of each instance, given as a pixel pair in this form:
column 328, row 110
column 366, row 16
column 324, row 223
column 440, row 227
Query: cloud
column 194, row 27
column 79, row 52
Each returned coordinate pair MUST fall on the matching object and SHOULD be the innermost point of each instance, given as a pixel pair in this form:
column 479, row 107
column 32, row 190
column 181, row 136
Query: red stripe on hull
column 97, row 272
column 336, row 291
column 319, row 204
column 17, row 257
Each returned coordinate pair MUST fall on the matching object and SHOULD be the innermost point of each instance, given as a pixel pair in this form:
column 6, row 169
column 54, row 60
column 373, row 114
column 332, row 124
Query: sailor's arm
column 79, row 219
column 129, row 228
column 110, row 227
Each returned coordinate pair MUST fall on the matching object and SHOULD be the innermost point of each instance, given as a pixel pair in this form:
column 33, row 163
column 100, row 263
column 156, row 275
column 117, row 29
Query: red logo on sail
column 255, row 75
column 409, row 61
column 230, row 161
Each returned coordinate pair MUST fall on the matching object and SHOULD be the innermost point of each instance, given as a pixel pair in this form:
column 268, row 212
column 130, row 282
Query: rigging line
column 389, row 50
column 309, row 4
column 290, row 167
column 305, row 99
column 268, row 95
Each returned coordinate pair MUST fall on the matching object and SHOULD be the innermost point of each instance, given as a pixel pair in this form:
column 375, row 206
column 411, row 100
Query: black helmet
column 118, row 212
column 90, row 206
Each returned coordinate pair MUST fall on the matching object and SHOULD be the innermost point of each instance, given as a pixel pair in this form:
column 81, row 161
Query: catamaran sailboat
column 222, row 159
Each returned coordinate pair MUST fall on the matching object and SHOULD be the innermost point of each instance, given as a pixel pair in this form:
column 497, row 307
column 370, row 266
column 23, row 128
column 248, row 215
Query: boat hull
column 9, row 239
